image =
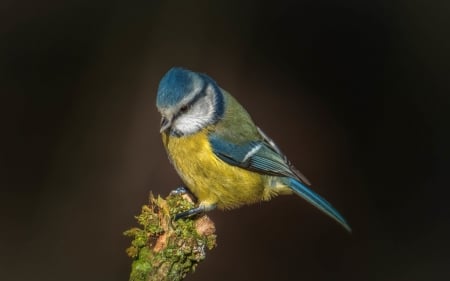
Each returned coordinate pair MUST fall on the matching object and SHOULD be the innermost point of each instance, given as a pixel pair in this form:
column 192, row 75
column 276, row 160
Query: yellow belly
column 210, row 179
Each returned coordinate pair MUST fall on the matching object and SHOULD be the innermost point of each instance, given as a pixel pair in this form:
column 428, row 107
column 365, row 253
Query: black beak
column 165, row 124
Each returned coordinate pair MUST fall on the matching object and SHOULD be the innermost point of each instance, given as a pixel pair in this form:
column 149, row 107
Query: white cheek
column 188, row 124
column 198, row 117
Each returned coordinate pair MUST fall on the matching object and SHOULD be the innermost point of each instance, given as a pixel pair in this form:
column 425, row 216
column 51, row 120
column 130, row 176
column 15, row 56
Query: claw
column 179, row 191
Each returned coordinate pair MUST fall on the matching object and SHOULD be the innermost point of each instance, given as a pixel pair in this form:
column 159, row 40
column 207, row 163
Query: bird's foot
column 194, row 211
column 180, row 191
column 189, row 213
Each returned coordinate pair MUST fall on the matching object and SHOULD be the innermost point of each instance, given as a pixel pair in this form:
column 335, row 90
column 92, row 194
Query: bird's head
column 188, row 102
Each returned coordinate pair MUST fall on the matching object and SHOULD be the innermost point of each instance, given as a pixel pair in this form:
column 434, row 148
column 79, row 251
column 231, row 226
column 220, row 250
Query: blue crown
column 175, row 85
column 179, row 82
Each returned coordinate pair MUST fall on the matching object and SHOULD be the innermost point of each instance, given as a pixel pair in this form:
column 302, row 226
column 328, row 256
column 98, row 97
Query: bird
column 222, row 157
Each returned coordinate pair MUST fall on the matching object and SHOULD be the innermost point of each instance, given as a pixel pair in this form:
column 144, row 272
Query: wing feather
column 261, row 156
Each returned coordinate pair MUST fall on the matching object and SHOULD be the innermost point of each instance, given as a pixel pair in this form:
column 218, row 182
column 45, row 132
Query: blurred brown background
column 355, row 93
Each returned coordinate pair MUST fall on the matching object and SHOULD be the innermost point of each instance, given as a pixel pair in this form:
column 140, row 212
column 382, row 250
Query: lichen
column 164, row 249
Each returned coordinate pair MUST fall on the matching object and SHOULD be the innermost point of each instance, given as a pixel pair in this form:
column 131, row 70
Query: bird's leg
column 195, row 211
column 202, row 208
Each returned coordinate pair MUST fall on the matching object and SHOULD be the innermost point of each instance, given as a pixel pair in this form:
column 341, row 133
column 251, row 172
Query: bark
column 163, row 249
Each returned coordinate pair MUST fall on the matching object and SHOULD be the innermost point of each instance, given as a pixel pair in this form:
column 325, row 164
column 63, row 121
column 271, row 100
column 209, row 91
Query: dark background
column 355, row 92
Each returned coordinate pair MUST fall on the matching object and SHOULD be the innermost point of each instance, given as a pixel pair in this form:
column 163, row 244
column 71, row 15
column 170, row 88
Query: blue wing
column 263, row 156
column 255, row 156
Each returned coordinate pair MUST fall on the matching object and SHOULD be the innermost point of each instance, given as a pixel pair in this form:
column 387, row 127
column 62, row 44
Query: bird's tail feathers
column 320, row 203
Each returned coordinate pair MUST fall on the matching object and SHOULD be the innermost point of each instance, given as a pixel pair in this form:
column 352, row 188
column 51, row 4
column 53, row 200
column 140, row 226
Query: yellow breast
column 210, row 179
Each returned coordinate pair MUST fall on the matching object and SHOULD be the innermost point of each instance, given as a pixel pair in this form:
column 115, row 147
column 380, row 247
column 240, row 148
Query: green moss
column 163, row 249
column 141, row 266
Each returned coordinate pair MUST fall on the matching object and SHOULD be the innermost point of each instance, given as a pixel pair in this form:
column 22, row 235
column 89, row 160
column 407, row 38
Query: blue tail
column 316, row 200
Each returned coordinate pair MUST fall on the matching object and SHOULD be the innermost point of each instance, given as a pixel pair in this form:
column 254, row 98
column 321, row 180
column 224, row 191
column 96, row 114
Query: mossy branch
column 164, row 249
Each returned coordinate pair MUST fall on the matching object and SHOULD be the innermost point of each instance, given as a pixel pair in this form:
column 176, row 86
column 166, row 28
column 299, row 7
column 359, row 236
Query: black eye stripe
column 185, row 107
column 200, row 95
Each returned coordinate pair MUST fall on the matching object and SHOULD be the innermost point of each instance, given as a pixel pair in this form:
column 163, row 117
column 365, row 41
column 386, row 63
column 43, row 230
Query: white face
column 192, row 116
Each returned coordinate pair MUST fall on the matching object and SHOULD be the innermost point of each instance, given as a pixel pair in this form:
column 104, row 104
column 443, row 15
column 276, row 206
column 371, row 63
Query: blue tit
column 223, row 158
